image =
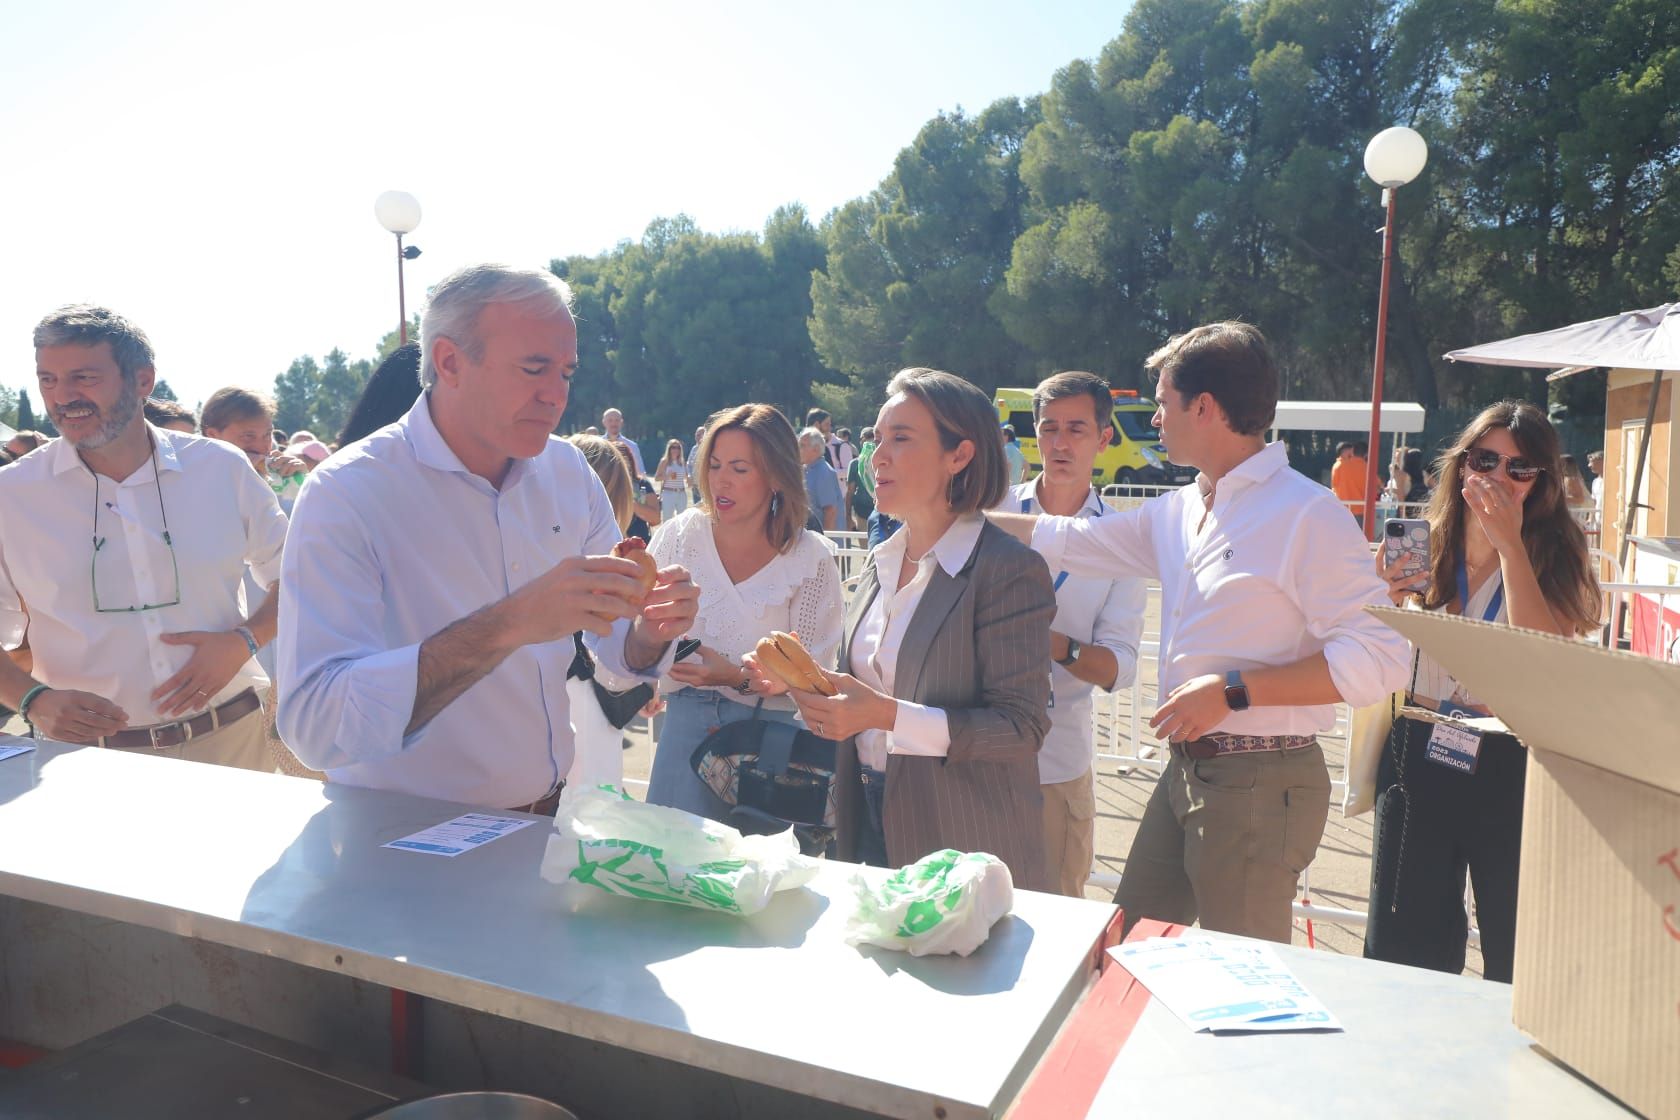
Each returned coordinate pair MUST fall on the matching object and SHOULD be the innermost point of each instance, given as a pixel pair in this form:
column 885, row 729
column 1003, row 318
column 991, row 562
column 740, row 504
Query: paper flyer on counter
column 463, row 834
column 1224, row 986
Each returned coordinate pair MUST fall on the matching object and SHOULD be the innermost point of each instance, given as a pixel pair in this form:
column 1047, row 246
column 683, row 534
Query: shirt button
column 516, row 565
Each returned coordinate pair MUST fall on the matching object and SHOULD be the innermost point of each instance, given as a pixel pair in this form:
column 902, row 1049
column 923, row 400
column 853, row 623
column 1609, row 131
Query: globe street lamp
column 399, row 212
column 1393, row 158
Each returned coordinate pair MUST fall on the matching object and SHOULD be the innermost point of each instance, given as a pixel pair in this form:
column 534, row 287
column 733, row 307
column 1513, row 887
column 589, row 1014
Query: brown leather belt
column 161, row 736
column 544, row 806
column 1212, row 746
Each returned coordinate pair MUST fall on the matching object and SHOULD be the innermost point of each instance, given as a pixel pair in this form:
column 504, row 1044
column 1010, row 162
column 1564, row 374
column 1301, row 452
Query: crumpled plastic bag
column 606, row 841
column 943, row 903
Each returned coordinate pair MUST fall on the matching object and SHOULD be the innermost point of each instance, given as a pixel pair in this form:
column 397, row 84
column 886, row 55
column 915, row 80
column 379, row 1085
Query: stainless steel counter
column 293, row 869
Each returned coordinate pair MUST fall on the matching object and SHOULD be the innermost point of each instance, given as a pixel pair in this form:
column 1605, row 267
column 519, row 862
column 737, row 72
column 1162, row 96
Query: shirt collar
column 1257, row 468
column 63, row 456
column 1093, row 501
column 432, row 450
column 951, row 550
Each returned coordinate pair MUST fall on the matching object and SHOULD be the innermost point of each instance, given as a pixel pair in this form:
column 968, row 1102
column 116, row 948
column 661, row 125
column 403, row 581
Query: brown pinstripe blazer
column 978, row 646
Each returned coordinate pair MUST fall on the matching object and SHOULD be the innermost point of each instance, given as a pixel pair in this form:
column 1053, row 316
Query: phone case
column 1414, row 546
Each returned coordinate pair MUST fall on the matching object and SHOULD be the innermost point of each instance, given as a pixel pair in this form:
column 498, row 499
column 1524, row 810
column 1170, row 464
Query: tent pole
column 1633, row 506
column 1638, row 472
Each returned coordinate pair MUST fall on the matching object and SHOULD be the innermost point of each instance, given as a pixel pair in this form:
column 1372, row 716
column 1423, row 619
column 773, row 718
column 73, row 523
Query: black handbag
column 775, row 776
column 619, row 707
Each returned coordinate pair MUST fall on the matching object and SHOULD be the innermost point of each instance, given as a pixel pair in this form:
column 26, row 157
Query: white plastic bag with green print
column 943, row 903
column 606, row 842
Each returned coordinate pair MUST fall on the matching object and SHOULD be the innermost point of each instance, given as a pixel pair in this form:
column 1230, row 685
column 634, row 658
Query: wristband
column 250, row 638
column 28, row 699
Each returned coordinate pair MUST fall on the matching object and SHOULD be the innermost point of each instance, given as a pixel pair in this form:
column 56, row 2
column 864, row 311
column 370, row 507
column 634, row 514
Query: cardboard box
column 1597, row 979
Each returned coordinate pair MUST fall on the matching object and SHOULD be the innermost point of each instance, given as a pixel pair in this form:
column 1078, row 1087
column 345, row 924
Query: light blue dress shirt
column 392, row 540
column 1095, row 612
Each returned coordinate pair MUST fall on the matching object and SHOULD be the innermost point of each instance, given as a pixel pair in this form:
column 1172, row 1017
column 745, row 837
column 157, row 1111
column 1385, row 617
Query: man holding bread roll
column 443, row 564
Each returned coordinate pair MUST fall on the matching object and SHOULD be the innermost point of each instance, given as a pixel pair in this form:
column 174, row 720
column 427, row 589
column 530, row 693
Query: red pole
column 402, row 307
column 1374, row 447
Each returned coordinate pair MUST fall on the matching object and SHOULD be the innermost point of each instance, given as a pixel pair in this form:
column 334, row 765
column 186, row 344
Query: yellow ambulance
column 1133, row 457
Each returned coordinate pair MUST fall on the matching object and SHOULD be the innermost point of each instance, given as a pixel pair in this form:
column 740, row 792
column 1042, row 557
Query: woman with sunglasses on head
column 1504, row 548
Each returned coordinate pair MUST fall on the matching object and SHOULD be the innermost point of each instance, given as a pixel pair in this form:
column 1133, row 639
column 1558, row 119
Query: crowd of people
column 436, row 599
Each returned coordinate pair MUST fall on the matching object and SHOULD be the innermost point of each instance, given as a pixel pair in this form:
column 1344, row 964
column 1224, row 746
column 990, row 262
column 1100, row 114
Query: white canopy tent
column 1346, row 416
column 1648, row 339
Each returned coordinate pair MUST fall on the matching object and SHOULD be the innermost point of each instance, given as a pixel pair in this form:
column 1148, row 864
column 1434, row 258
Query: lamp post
column 399, row 212
column 1393, row 158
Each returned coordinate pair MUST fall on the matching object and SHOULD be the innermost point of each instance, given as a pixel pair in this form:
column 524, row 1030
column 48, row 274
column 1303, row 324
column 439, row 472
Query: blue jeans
column 872, row 831
column 691, row 714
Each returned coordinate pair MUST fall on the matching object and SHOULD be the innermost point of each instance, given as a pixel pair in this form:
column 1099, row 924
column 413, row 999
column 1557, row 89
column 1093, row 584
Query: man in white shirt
column 1264, row 584
column 836, row 452
column 122, row 559
column 437, row 570
column 1595, row 465
column 613, row 421
column 1098, row 624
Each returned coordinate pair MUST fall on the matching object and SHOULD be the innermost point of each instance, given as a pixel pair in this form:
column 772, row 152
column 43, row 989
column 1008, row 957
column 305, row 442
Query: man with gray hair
column 434, row 663
column 149, row 651
column 822, row 485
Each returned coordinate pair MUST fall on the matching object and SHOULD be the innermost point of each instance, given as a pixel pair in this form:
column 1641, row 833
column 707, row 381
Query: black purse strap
column 583, row 665
column 775, row 747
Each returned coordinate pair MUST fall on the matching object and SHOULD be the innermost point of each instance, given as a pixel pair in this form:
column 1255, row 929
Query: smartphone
column 686, row 647
column 1407, row 538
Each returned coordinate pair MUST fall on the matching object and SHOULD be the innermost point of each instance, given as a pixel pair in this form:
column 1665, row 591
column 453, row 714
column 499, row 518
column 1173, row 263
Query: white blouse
column 1431, row 683
column 799, row 590
column 917, row 728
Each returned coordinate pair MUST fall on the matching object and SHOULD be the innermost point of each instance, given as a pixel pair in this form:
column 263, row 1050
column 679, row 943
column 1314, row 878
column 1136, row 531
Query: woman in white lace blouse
column 758, row 570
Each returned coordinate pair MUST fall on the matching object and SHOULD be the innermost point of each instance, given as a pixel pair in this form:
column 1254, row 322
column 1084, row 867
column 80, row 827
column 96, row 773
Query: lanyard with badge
column 1061, row 576
column 1458, row 748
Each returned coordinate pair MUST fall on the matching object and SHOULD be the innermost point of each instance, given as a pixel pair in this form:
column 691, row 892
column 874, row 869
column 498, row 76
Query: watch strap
column 1235, row 689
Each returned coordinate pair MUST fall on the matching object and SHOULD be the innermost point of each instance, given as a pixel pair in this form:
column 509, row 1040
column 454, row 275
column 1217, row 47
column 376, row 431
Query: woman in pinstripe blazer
column 943, row 701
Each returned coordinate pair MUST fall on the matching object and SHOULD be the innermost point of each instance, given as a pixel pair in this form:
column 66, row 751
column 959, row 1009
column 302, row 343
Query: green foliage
column 685, row 322
column 162, row 392
column 1205, row 164
column 336, row 392
column 8, row 406
column 26, row 414
column 913, row 266
column 294, row 394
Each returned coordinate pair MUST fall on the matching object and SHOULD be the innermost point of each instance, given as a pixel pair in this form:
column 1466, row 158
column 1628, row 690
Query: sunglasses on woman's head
column 1483, row 460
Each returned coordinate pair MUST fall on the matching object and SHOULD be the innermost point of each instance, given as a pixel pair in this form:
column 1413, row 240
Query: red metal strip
column 1067, row 1079
column 15, row 1055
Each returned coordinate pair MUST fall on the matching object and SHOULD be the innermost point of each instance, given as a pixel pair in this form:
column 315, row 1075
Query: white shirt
column 1431, row 684
column 1277, row 572
column 635, row 452
column 1094, row 612
column 917, row 728
column 798, row 590
column 1598, row 492
column 840, row 455
column 222, row 519
column 393, row 539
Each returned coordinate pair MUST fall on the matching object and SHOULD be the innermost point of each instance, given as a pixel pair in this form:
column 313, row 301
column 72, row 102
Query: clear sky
column 209, row 169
